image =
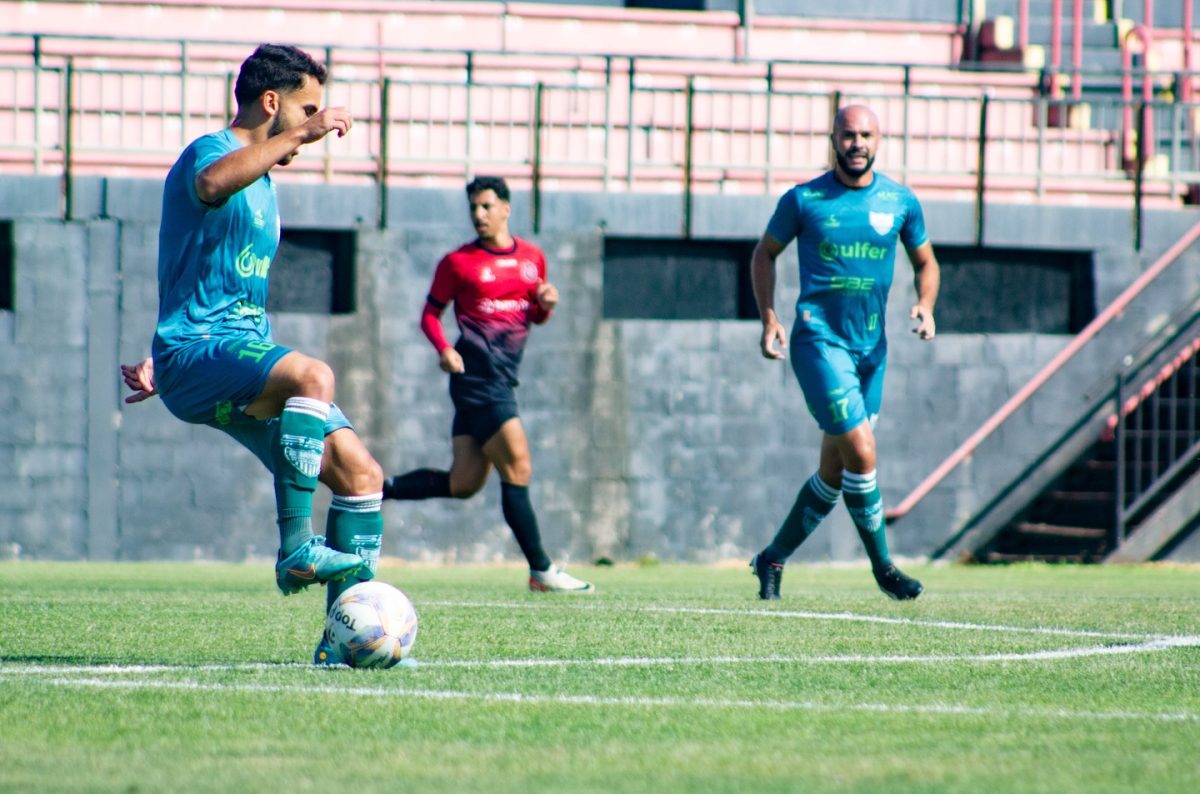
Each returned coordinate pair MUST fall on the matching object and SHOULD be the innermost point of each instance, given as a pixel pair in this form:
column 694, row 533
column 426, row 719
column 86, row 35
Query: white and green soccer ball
column 372, row 625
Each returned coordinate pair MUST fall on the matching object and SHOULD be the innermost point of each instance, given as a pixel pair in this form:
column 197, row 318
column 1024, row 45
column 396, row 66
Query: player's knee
column 372, row 475
column 520, row 472
column 465, row 490
column 316, row 380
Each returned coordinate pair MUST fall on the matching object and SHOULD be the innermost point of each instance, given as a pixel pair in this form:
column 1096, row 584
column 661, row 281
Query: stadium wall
column 673, row 439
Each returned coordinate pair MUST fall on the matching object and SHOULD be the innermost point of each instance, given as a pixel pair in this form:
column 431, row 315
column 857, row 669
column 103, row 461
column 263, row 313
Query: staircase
column 1146, row 461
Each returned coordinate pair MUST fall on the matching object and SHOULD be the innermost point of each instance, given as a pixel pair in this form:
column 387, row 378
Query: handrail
column 1037, row 381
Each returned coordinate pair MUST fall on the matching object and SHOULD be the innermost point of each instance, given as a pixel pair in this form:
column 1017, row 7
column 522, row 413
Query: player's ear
column 270, row 102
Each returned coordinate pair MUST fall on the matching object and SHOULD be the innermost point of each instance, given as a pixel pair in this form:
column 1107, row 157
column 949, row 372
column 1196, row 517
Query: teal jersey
column 213, row 260
column 846, row 245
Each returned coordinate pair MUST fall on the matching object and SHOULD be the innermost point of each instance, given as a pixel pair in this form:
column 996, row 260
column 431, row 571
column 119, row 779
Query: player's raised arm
column 928, row 278
column 762, row 276
column 238, row 169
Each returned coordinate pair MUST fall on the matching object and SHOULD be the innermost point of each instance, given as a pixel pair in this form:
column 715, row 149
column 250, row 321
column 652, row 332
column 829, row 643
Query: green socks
column 297, row 460
column 355, row 526
column 814, row 501
column 861, row 493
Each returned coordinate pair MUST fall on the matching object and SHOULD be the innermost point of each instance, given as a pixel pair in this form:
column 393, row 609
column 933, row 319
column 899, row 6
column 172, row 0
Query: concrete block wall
column 668, row 438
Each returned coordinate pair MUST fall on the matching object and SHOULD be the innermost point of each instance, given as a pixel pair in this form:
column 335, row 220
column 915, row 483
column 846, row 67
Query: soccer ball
column 372, row 624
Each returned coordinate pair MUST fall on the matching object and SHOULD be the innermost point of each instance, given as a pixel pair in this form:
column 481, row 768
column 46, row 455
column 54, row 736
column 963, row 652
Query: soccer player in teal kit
column 214, row 361
column 846, row 223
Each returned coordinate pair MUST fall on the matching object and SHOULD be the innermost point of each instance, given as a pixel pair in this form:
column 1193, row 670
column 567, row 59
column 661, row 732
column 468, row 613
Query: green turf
column 671, row 678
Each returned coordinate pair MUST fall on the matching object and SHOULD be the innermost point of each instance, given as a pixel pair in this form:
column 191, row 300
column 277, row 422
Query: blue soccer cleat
column 314, row 563
column 326, row 655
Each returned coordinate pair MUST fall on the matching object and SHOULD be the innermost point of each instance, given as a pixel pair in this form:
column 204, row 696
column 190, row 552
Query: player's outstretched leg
column 418, row 484
column 303, row 558
column 814, row 501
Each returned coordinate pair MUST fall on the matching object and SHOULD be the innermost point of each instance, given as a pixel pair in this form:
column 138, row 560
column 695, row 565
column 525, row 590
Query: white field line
column 1150, row 646
column 947, row 709
column 832, row 616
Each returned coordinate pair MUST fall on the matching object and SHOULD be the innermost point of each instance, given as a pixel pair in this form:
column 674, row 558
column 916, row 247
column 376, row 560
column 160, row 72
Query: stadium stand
column 623, row 92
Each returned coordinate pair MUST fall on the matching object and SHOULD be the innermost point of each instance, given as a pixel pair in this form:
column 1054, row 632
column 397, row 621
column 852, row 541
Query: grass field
column 155, row 677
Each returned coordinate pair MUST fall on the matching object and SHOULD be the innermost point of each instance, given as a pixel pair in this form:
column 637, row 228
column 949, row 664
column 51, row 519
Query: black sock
column 418, row 484
column 518, row 512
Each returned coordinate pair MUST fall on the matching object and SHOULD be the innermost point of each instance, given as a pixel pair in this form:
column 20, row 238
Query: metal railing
column 1156, row 429
column 618, row 132
column 1077, row 343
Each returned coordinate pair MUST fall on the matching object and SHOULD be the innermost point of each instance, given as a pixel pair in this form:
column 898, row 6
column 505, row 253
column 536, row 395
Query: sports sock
column 518, row 512
column 861, row 494
column 418, row 484
column 354, row 525
column 814, row 501
column 297, row 465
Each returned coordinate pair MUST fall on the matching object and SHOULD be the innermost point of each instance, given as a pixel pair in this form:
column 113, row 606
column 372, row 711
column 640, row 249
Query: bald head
column 855, row 140
column 855, row 117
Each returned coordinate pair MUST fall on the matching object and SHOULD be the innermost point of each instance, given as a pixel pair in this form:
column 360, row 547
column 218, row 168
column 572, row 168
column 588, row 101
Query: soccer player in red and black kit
column 498, row 286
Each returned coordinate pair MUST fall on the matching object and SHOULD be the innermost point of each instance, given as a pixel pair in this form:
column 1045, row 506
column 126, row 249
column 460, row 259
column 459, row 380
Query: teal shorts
column 843, row 388
column 210, row 382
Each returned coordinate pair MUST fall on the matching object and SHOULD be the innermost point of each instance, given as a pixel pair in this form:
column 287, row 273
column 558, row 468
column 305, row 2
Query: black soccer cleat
column 769, row 574
column 896, row 585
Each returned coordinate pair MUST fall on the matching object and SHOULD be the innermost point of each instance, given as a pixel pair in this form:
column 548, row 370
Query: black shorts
column 480, row 408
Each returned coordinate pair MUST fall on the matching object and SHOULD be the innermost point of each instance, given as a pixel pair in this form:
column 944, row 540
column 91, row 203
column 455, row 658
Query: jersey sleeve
column 537, row 314
column 201, row 154
column 913, row 233
column 784, row 225
column 445, row 284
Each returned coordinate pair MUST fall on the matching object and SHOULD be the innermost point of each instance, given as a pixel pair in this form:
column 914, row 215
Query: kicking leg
column 298, row 391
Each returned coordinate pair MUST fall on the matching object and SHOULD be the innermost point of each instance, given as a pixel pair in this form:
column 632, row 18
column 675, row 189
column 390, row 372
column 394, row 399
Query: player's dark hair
column 496, row 184
column 275, row 67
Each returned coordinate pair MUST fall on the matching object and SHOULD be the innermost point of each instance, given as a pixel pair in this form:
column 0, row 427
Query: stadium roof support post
column 981, row 170
column 381, row 178
column 536, row 197
column 689, row 106
column 68, row 122
column 1139, row 170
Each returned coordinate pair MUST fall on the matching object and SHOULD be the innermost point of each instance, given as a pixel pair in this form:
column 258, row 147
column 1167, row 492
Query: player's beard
column 275, row 129
column 844, row 163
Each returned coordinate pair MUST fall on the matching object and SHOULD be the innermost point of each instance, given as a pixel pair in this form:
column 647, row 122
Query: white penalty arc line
column 653, row 661
column 831, row 616
column 644, row 702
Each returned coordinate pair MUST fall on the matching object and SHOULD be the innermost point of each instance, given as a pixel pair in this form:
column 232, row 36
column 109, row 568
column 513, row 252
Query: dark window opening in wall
column 1014, row 290
column 313, row 272
column 673, row 279
column 671, row 5
column 7, row 267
